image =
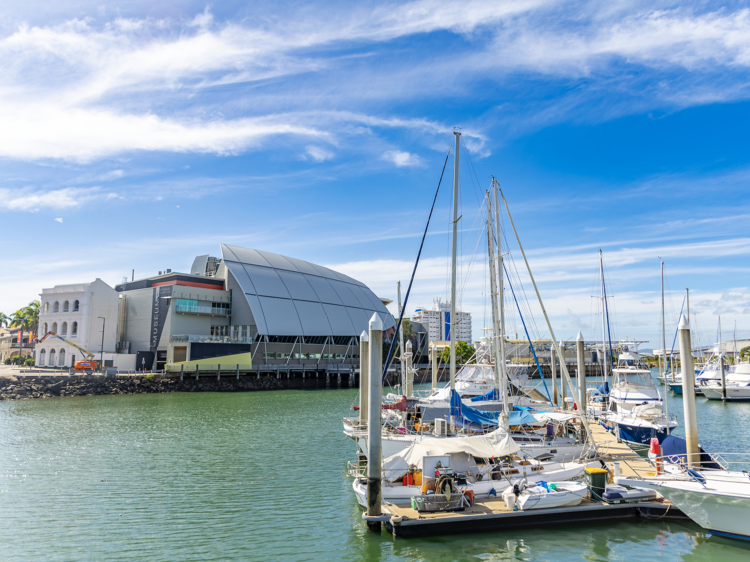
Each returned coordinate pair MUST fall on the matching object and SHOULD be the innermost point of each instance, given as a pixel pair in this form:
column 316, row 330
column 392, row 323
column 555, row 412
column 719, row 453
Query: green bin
column 596, row 478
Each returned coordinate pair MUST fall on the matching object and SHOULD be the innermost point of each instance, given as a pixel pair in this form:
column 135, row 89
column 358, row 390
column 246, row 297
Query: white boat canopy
column 495, row 444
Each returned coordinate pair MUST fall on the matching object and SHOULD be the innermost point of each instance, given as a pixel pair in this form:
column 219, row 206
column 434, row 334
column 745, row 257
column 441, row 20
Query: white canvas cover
column 495, row 444
column 545, row 417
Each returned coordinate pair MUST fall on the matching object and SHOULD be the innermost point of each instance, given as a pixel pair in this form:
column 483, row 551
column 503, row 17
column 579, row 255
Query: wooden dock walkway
column 610, row 451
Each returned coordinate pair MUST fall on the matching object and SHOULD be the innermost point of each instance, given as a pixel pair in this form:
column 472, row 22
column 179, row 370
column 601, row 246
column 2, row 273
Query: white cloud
column 319, row 154
column 58, row 220
column 402, row 159
column 33, row 200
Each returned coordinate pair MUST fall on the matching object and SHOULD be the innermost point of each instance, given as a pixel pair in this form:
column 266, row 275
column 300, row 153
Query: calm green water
column 254, row 476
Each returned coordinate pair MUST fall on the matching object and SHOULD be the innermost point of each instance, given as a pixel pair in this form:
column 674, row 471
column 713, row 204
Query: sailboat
column 542, row 447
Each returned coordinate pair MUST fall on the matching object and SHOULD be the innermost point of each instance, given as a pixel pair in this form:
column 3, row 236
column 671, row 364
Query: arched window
column 76, row 306
column 51, row 357
column 46, row 307
column 44, row 328
column 61, row 359
column 64, row 330
column 54, row 327
column 42, row 357
column 74, row 329
column 66, row 306
column 56, row 307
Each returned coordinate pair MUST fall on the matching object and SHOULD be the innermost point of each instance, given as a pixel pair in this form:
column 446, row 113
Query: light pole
column 101, row 353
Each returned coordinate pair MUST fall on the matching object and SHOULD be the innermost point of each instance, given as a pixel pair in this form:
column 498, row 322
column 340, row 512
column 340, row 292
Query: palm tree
column 22, row 318
column 32, row 311
column 4, row 320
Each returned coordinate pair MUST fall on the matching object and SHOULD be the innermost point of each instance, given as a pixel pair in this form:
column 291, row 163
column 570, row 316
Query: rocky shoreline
column 24, row 388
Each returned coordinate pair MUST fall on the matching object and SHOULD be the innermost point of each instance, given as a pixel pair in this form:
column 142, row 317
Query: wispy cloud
column 402, row 159
column 34, row 200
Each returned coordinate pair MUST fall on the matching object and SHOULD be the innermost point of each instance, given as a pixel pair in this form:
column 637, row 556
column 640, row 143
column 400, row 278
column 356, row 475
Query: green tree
column 26, row 318
column 4, row 320
column 464, row 353
column 744, row 352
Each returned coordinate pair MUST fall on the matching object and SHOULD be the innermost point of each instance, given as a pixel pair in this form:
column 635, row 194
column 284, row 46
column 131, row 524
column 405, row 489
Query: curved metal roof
column 291, row 297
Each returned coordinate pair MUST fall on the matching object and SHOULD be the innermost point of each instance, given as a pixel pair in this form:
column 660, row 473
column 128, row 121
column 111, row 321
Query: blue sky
column 137, row 136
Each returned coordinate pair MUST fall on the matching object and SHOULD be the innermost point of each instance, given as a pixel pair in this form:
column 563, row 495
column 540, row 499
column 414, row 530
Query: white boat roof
column 629, row 356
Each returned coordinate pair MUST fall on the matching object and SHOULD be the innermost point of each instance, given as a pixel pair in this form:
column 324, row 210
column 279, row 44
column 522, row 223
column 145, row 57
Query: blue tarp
column 459, row 409
column 675, row 448
column 604, row 388
column 491, row 395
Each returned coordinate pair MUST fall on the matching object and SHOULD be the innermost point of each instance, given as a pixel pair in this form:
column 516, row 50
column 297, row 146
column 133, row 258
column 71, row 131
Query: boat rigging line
column 392, row 348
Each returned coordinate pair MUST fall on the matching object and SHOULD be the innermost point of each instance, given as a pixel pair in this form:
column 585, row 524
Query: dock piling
column 688, row 395
column 374, row 431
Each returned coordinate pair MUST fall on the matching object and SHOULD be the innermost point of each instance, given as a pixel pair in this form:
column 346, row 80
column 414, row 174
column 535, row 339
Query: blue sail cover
column 459, row 409
column 676, row 448
column 491, row 395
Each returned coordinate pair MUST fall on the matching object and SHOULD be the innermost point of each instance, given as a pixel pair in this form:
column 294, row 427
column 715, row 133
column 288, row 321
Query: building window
column 42, row 357
column 54, row 328
column 76, row 306
column 74, row 329
column 46, row 307
column 51, row 357
column 66, row 306
column 64, row 331
column 44, row 328
column 56, row 307
column 61, row 359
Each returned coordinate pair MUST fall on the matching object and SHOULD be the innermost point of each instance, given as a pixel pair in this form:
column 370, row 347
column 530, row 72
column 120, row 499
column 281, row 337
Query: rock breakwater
column 27, row 387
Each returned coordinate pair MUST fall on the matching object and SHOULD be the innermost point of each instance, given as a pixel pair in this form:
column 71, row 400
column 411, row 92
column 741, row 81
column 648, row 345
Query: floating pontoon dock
column 491, row 514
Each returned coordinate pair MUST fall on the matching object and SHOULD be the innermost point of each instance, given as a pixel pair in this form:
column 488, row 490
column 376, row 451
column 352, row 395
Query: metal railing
column 185, row 338
column 197, row 309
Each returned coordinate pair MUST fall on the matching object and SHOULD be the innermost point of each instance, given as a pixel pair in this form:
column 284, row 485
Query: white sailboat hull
column 398, row 494
column 734, row 393
column 721, row 508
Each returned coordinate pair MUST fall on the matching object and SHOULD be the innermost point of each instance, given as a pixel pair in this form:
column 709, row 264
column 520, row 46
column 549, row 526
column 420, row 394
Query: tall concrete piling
column 374, row 431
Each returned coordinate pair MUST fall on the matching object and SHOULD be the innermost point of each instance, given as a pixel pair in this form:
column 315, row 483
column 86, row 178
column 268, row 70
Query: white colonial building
column 77, row 313
column 438, row 322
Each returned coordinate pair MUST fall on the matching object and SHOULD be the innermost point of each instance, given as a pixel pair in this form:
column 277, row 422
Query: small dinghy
column 543, row 495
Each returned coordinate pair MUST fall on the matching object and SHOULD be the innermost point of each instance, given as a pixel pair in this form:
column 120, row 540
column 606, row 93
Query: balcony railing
column 185, row 338
column 197, row 309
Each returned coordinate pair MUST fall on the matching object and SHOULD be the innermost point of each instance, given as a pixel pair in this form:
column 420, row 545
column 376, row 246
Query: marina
column 395, row 281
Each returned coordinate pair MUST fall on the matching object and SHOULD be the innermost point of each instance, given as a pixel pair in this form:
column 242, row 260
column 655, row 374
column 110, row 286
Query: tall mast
column 735, row 342
column 604, row 317
column 662, row 364
column 501, row 299
column 563, row 366
column 493, row 301
column 454, row 247
column 401, row 344
column 663, row 372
